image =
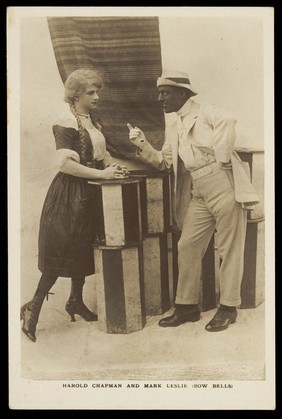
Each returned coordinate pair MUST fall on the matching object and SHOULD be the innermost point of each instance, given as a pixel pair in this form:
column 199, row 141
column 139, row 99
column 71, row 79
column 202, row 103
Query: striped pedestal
column 156, row 280
column 118, row 211
column 208, row 297
column 156, row 213
column 253, row 282
column 120, row 289
column 207, row 292
column 252, row 287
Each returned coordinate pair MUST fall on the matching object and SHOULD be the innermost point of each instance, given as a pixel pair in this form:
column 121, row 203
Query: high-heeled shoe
column 30, row 314
column 78, row 307
column 23, row 308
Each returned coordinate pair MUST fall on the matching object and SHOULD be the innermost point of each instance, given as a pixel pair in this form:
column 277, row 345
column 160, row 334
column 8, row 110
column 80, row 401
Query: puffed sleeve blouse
column 68, row 145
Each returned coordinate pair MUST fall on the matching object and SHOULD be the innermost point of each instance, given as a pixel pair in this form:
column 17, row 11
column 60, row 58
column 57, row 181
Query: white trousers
column 213, row 206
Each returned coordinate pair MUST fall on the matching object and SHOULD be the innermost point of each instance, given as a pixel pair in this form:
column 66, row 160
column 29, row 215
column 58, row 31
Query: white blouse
column 97, row 138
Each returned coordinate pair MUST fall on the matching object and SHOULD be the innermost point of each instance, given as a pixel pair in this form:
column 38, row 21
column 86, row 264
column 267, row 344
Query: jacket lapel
column 191, row 116
column 190, row 119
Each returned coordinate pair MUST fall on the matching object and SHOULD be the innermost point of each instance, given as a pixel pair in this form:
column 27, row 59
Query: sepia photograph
column 141, row 208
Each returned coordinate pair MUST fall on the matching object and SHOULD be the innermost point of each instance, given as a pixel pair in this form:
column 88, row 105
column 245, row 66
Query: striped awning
column 128, row 53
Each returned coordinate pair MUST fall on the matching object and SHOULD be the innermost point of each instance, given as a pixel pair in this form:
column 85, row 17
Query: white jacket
column 213, row 129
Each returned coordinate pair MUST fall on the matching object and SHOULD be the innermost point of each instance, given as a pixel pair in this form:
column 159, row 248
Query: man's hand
column 136, row 136
column 226, row 166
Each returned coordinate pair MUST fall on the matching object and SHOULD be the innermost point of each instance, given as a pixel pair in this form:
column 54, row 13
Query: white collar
column 185, row 108
column 83, row 114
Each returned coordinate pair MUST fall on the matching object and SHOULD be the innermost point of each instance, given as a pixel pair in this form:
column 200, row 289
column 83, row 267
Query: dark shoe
column 30, row 314
column 78, row 307
column 23, row 308
column 179, row 317
column 75, row 304
column 29, row 326
column 221, row 320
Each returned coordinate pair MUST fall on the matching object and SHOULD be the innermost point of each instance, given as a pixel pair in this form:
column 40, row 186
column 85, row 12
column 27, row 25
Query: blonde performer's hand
column 136, row 136
column 115, row 171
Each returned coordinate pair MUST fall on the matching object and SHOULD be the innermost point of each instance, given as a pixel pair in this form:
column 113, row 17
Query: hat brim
column 161, row 81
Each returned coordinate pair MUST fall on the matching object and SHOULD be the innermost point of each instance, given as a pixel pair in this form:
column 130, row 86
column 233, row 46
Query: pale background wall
column 224, row 59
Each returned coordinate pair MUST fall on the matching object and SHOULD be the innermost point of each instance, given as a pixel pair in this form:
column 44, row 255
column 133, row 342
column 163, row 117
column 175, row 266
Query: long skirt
column 67, row 228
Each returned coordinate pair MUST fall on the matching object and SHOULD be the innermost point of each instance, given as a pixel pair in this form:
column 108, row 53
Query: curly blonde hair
column 78, row 81
column 75, row 85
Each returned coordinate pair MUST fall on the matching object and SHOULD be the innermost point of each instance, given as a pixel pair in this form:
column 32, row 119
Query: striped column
column 156, row 218
column 252, row 287
column 118, row 211
column 253, row 282
column 156, row 192
column 208, row 297
column 156, row 280
column 120, row 289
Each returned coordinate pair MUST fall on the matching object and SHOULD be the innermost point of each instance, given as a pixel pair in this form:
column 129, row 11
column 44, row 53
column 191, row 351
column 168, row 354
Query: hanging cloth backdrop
column 128, row 53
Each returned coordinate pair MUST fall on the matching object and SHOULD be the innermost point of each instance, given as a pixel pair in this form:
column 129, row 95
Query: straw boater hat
column 175, row 78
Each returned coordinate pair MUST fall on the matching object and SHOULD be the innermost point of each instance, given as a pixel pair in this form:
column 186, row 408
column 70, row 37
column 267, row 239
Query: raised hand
column 136, row 136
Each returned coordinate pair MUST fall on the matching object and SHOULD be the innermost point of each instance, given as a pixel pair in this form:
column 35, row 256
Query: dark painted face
column 172, row 98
